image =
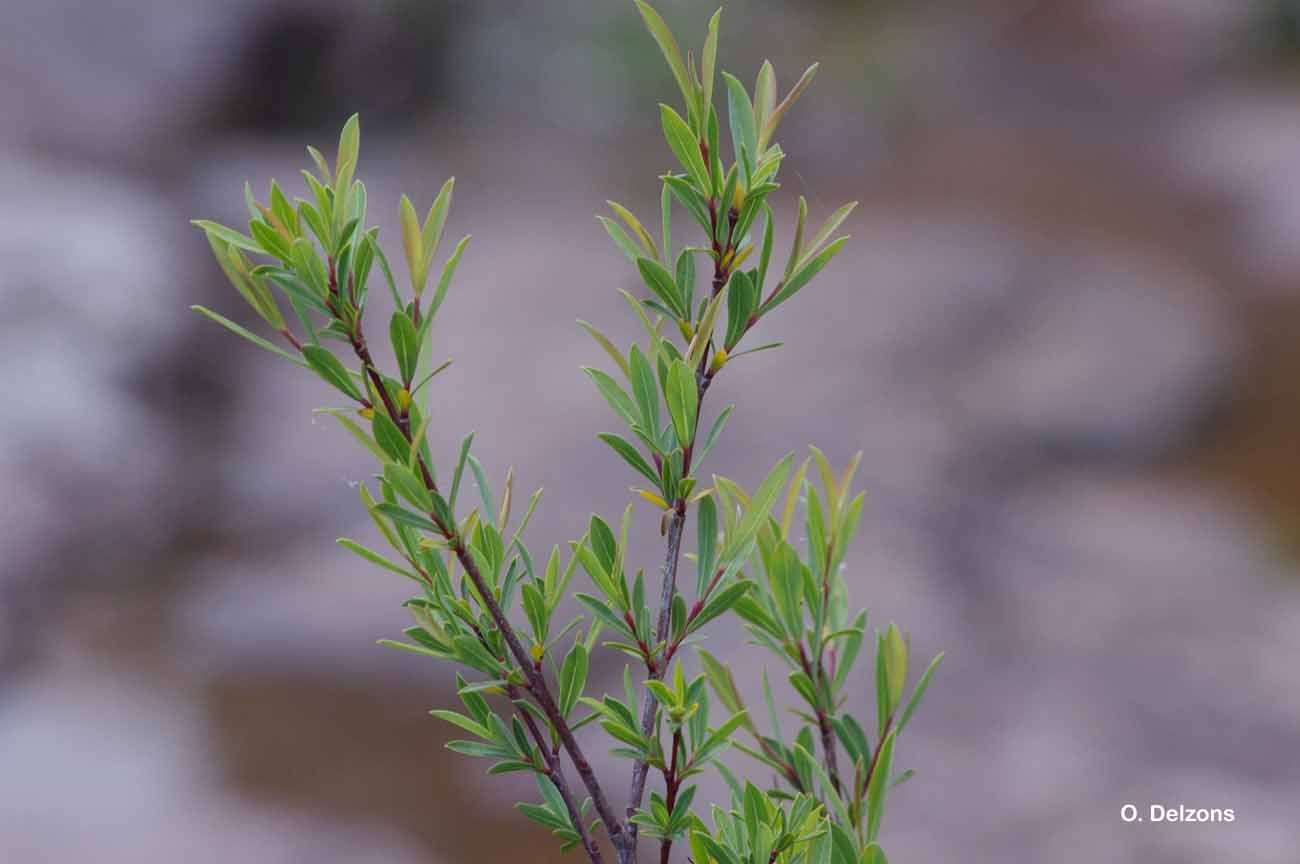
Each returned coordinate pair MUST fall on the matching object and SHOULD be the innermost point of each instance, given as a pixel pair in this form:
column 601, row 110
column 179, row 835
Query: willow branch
column 555, row 772
column 703, row 378
column 535, row 681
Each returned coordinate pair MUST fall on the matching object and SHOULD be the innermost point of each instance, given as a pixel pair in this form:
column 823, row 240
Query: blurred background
column 1066, row 335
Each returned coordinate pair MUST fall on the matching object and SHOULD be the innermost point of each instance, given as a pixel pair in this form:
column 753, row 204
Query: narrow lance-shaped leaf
column 249, row 335
column 709, row 59
column 444, row 281
column 573, row 678
column 331, row 368
column 660, row 281
column 631, row 456
column 764, row 94
column 648, row 246
column 683, row 399
column 741, row 117
column 349, row 150
column 771, row 122
column 879, row 786
column 803, row 276
column 919, row 691
column 685, row 146
column 827, row 228
column 621, row 239
column 406, row 345
column 413, row 245
column 663, row 35
column 431, row 232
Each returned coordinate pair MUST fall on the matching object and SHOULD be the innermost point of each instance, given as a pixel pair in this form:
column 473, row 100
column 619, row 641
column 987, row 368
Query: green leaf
column 742, row 301
column 362, row 437
column 270, row 241
column 764, row 93
column 796, row 245
column 412, row 244
column 724, row 685
column 602, row 611
column 740, row 111
column 620, row 238
column 686, row 277
column 462, row 722
column 390, row 438
column 402, row 516
column 375, row 558
column 803, row 275
column 919, row 691
column 684, row 192
column 436, row 220
column 406, row 345
column 459, row 470
column 760, row 505
column 250, row 336
column 668, row 45
column 604, row 342
column 709, row 59
column 644, row 390
column 631, row 456
column 895, row 664
column 879, row 786
column 765, row 253
column 404, row 481
column 714, row 431
column 349, row 149
column 331, row 368
column 573, row 678
column 660, row 281
column 665, row 215
column 648, row 247
column 614, row 395
column 308, row 267
column 721, row 602
column 706, row 538
column 683, row 400
column 827, row 229
column 685, row 146
column 484, row 491
column 227, row 235
column 444, row 281
column 704, row 332
column 774, row 118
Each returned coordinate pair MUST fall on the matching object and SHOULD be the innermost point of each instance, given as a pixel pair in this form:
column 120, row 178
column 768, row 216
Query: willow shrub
column 486, row 603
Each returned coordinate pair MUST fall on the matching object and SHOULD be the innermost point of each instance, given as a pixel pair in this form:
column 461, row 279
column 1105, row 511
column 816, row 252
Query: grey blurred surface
column 1065, row 335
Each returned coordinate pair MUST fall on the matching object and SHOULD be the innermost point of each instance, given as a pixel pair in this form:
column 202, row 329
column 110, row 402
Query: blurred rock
column 137, row 783
column 312, row 611
column 1159, row 604
column 89, row 269
column 116, row 79
column 1113, row 352
column 1243, row 146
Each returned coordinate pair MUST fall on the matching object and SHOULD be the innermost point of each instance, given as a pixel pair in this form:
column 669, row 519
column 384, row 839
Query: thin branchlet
column 726, row 202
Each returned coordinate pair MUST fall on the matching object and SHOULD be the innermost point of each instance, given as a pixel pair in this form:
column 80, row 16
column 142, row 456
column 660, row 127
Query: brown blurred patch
column 364, row 752
column 1253, row 448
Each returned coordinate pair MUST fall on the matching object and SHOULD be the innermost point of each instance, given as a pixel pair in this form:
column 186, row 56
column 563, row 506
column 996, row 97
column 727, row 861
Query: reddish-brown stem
column 639, row 769
column 703, row 379
column 672, row 783
column 537, row 686
column 823, row 719
column 292, row 339
column 555, row 772
column 536, row 681
column 875, row 755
